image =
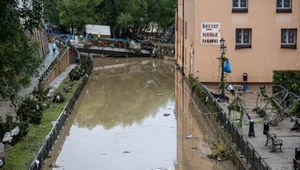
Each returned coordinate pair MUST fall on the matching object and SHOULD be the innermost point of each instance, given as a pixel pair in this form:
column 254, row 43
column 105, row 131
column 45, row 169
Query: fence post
column 251, row 129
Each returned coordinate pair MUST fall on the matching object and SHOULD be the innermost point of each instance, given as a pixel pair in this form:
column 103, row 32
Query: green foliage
column 10, row 124
column 33, row 105
column 81, row 70
column 19, row 58
column 236, row 105
column 74, row 74
column 40, row 93
column 164, row 12
column 30, row 110
column 219, row 149
column 289, row 79
column 50, row 11
column 21, row 155
column 128, row 18
column 76, row 13
column 85, row 65
column 203, row 94
column 222, row 84
column 58, row 97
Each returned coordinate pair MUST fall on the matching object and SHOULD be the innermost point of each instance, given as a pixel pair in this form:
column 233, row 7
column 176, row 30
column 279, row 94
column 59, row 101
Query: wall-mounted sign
column 210, row 33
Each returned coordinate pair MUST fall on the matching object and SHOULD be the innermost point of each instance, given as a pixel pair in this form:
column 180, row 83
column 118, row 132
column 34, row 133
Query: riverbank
column 253, row 149
column 31, row 151
column 116, row 107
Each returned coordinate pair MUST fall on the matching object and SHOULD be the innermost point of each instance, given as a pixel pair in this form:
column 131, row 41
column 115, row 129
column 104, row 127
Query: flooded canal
column 134, row 116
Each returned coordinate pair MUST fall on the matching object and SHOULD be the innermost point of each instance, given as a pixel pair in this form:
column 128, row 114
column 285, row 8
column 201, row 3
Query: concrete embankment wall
column 211, row 117
column 59, row 124
column 60, row 63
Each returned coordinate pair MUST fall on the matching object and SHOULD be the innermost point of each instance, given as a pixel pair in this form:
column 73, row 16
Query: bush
column 289, row 79
column 58, row 97
column 9, row 124
column 40, row 93
column 30, row 110
column 79, row 72
column 74, row 75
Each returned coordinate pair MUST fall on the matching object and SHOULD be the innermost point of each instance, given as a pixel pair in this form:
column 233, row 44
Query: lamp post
column 222, row 58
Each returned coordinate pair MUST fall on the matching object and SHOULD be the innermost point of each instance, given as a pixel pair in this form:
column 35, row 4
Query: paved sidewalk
column 291, row 139
column 5, row 104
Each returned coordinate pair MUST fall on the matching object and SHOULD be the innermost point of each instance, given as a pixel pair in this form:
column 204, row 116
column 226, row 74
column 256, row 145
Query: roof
column 96, row 29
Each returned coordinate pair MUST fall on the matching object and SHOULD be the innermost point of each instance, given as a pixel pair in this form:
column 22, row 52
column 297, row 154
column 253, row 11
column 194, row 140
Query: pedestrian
column 54, row 47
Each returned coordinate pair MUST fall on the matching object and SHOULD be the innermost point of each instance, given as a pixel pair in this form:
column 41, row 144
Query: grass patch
column 21, row 155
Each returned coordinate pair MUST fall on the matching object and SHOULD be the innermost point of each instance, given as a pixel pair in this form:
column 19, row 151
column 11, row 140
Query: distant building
column 102, row 31
column 261, row 37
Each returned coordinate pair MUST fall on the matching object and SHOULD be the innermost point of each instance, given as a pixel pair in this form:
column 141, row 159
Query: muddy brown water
column 134, row 118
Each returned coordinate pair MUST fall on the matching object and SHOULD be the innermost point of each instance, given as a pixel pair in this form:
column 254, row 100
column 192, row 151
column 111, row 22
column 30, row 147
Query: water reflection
column 127, row 95
column 194, row 136
column 120, row 121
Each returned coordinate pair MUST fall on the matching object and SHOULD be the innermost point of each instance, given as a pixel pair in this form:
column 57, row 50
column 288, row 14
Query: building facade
column 261, row 37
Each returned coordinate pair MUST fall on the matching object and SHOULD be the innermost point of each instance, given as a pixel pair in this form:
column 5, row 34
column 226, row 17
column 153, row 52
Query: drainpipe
column 298, row 39
column 176, row 34
column 183, row 29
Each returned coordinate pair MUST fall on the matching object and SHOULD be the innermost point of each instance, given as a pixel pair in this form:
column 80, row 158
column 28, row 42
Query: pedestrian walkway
column 5, row 104
column 291, row 139
column 35, row 80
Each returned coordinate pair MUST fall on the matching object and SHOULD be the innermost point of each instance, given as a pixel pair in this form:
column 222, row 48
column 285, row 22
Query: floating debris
column 54, row 166
column 167, row 114
column 189, row 137
column 126, row 152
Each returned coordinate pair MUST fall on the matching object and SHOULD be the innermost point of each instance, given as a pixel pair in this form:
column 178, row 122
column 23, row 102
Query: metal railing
column 251, row 155
column 52, row 136
column 53, row 64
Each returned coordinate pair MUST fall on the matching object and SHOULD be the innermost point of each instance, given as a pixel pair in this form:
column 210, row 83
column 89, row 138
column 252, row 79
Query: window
column 239, row 5
column 243, row 38
column 283, row 6
column 288, row 38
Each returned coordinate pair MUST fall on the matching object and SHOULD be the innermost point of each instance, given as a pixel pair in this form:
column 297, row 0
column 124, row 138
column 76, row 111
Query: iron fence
column 252, row 156
column 50, row 68
column 52, row 136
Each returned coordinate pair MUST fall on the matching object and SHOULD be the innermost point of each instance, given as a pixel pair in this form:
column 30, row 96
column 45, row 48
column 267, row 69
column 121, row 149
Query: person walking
column 54, row 48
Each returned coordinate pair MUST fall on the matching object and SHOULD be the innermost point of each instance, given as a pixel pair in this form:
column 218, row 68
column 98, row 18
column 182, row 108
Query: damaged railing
column 252, row 156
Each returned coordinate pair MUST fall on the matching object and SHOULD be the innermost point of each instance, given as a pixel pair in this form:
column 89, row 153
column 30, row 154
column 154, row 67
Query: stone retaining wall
column 58, row 65
column 51, row 138
column 231, row 150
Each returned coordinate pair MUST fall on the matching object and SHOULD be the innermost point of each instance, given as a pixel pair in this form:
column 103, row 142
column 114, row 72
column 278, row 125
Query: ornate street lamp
column 222, row 46
column 222, row 58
